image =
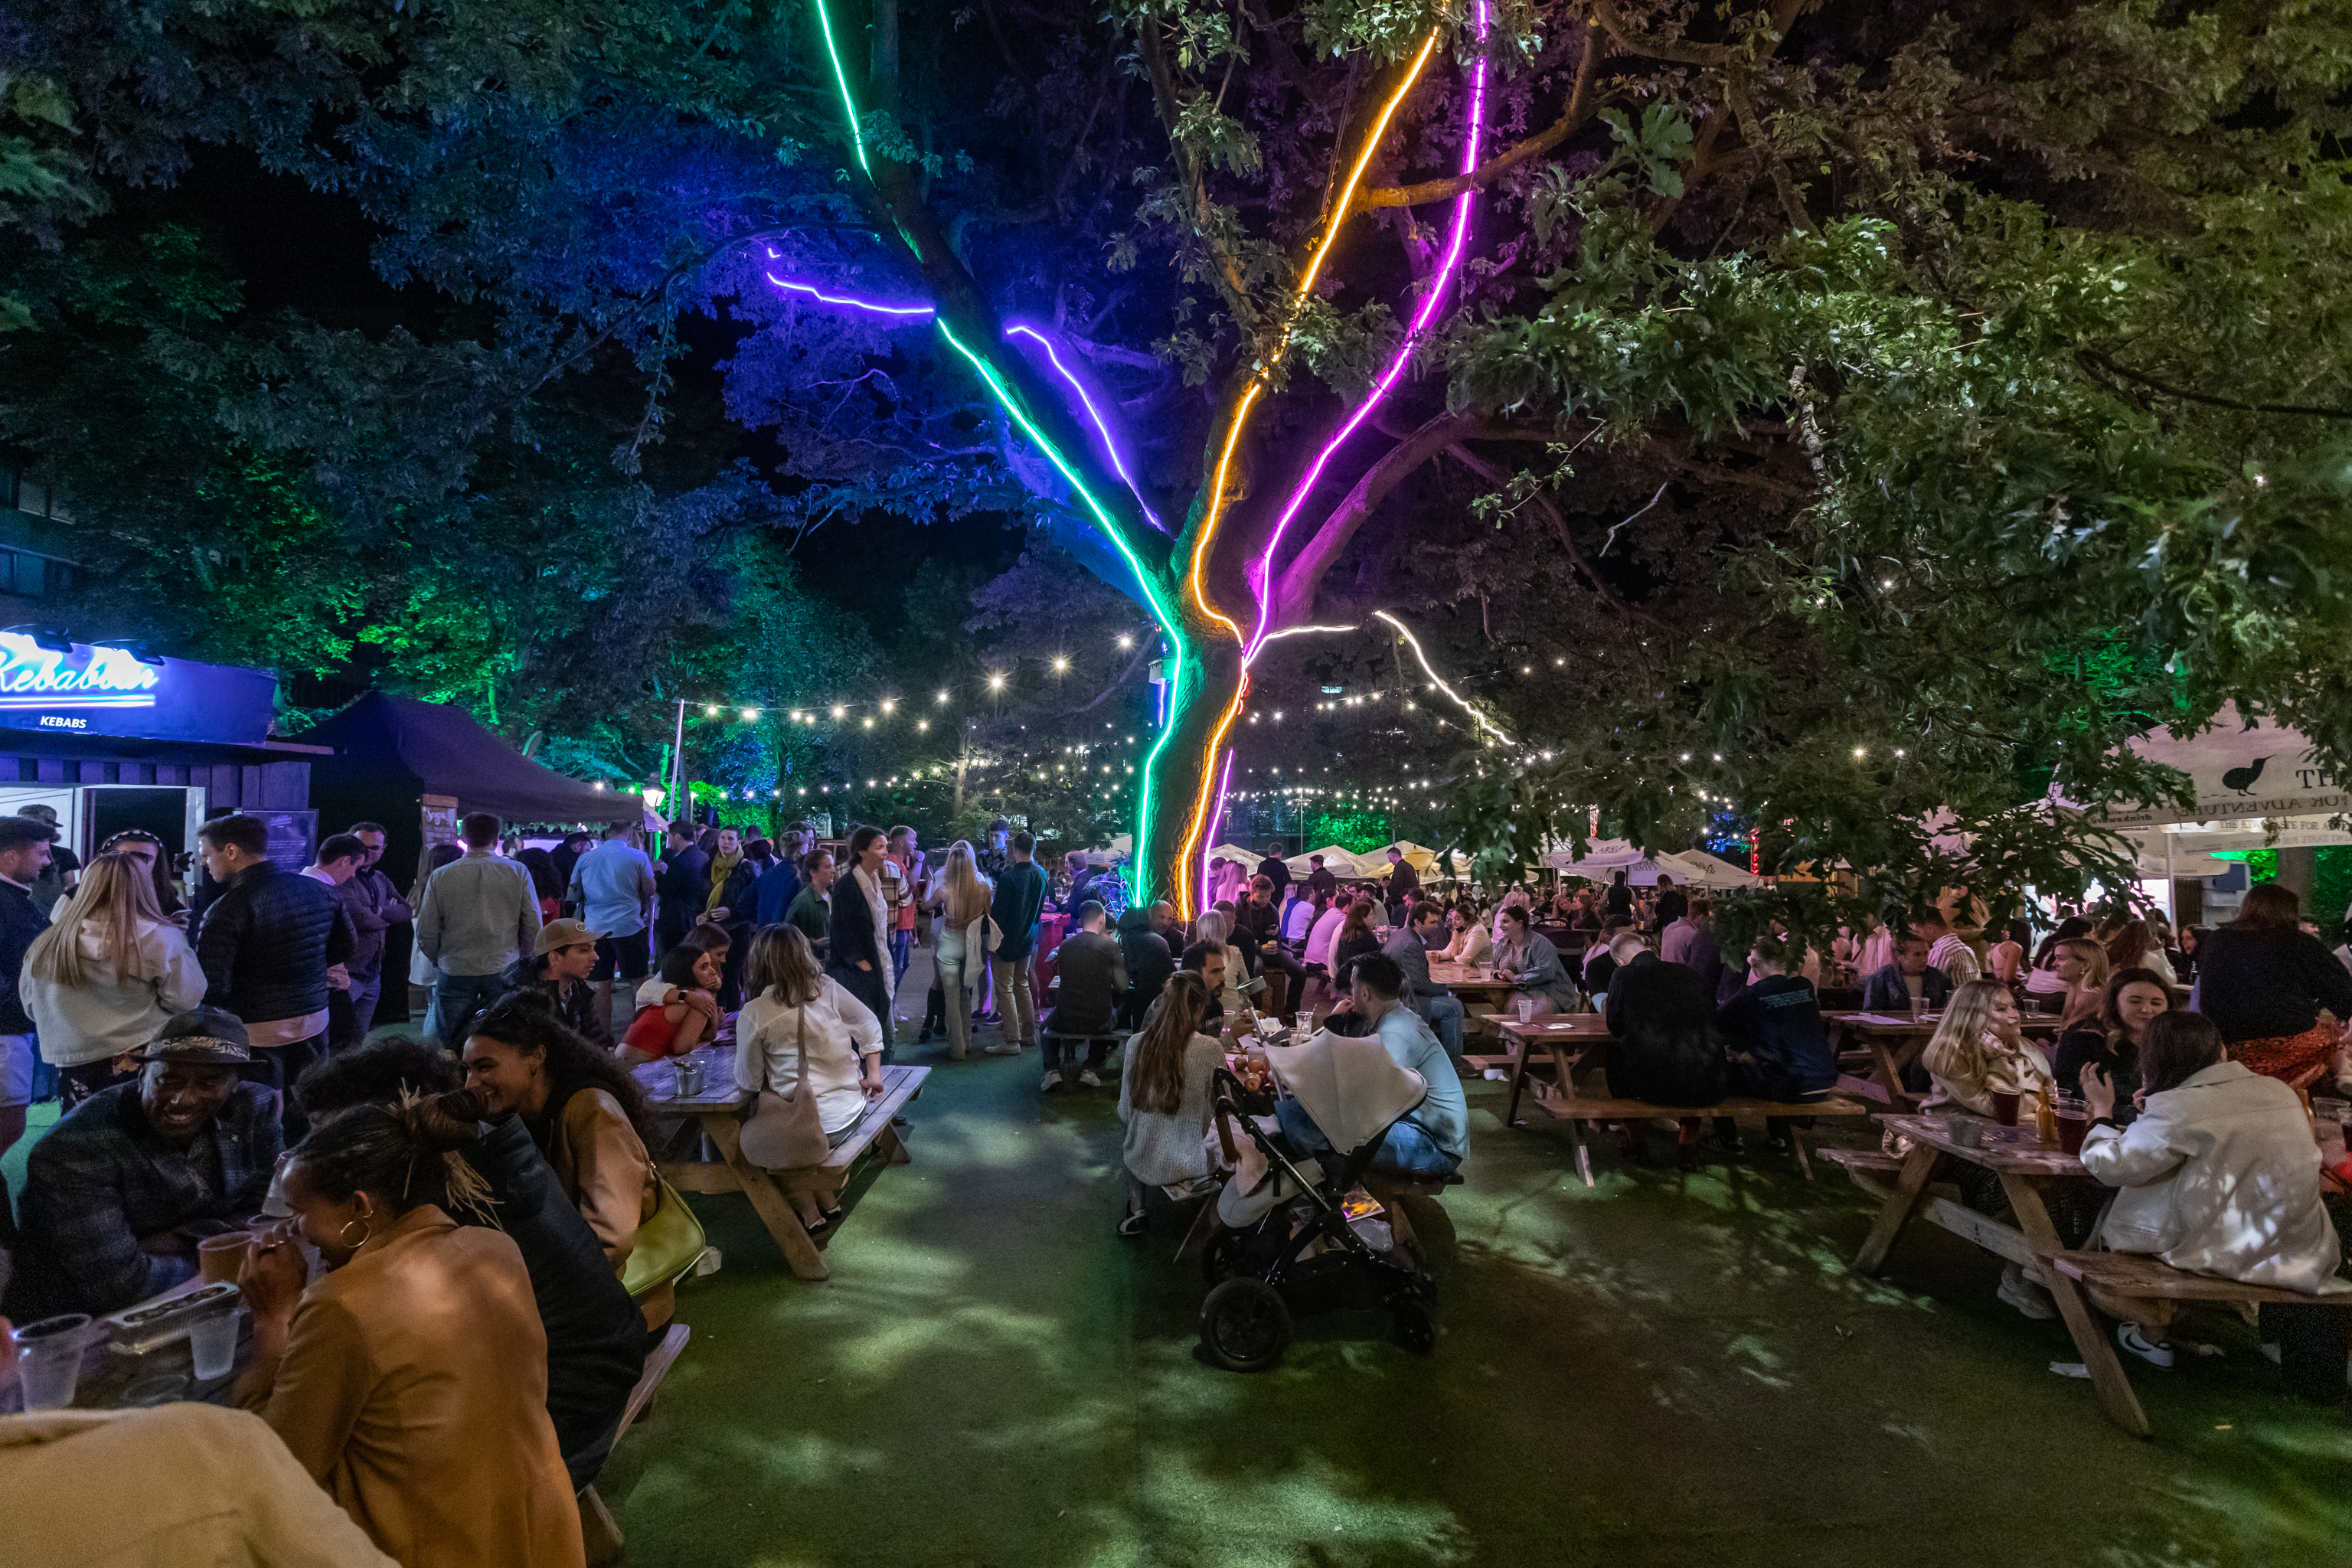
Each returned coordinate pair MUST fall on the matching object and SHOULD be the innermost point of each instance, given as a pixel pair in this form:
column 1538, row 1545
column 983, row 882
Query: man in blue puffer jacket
column 266, row 945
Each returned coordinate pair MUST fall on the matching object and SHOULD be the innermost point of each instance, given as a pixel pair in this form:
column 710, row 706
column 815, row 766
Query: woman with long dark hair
column 1164, row 1094
column 2264, row 982
column 2219, row 1175
column 2112, row 1038
column 586, row 1114
column 410, row 1380
column 858, row 933
column 546, row 883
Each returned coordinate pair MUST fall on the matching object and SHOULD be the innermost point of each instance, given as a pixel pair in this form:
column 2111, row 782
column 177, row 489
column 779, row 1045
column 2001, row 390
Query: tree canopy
column 1819, row 419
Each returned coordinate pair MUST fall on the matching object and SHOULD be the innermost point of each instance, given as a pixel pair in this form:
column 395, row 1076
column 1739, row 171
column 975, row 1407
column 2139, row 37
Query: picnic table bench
column 600, row 1532
column 716, row 1110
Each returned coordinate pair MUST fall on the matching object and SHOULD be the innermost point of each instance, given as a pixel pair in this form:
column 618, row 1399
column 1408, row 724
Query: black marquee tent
column 391, row 753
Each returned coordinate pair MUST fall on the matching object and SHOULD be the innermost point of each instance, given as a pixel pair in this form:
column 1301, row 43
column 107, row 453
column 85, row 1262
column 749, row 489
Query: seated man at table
column 564, row 955
column 1427, row 1144
column 118, row 1194
column 1437, row 1006
column 1666, row 1051
column 1092, row 975
column 1893, row 988
column 1779, row 1047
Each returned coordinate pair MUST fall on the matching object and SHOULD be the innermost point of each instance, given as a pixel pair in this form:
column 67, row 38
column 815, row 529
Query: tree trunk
column 1180, row 771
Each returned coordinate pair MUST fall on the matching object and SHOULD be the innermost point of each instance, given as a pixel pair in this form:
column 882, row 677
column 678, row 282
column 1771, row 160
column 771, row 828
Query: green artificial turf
column 1662, row 1370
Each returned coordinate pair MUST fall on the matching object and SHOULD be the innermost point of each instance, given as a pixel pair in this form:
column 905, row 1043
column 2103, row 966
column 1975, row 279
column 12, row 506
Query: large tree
column 1839, row 416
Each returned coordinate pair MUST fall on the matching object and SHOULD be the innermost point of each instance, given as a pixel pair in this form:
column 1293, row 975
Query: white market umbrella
column 1420, row 856
column 1694, row 868
column 2237, row 770
column 1335, row 861
column 1604, row 858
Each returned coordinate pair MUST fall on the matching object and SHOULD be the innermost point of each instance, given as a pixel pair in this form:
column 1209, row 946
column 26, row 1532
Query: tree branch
column 2091, row 359
column 1297, row 595
column 1494, row 475
column 1620, row 33
column 1573, row 117
column 1143, row 650
column 1163, row 95
column 1752, row 128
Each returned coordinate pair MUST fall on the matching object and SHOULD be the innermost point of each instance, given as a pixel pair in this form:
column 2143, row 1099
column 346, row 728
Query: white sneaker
column 2149, row 1351
column 1497, row 1075
column 1087, row 1078
column 1052, row 1084
column 2023, row 1294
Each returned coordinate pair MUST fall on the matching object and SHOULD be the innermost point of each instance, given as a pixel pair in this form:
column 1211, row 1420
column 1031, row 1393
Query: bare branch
column 1494, row 474
column 1299, row 578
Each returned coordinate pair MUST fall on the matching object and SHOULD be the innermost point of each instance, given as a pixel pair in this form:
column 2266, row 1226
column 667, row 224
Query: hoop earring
column 344, row 1236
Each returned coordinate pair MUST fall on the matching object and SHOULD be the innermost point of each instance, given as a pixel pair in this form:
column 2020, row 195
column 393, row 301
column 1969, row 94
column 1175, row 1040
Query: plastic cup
column 1966, row 1132
column 1525, row 1008
column 212, row 1341
column 1303, row 1027
column 2004, row 1107
column 48, row 1360
column 2073, row 1121
column 1918, row 1010
column 218, row 1257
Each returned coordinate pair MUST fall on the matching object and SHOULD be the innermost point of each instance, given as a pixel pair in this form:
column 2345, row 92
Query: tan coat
column 413, row 1388
column 609, row 1177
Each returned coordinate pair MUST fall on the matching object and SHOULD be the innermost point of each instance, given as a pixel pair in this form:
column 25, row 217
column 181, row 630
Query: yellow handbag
column 668, row 1245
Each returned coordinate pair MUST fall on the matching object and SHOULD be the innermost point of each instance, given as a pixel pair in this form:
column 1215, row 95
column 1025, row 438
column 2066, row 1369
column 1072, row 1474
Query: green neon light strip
column 841, row 79
column 1160, row 611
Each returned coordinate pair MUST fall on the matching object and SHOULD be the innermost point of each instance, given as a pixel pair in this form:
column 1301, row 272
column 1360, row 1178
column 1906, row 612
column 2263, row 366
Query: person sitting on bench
column 1165, row 1085
column 1779, row 1047
column 2219, row 1175
column 1427, row 1144
column 800, row 1024
column 1666, row 1051
column 1092, row 975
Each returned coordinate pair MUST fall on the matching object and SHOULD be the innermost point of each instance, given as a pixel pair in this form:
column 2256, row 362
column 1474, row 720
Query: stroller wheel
column 1221, row 1259
column 1245, row 1325
column 1414, row 1330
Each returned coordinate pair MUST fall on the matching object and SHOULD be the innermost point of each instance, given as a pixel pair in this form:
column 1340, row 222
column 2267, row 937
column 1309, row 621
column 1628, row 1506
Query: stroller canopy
column 1351, row 1088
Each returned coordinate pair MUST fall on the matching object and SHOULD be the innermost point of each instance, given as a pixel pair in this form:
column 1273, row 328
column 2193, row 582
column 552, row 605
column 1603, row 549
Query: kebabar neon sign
column 34, row 677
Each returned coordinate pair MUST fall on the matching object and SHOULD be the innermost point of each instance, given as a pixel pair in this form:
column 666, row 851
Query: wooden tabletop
column 2018, row 1149
column 1469, row 977
column 1557, row 1026
column 1903, row 1023
column 659, row 1080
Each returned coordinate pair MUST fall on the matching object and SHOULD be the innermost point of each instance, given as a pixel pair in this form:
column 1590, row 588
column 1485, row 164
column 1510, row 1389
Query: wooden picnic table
column 1894, row 1042
column 2028, row 1168
column 717, row 1111
column 1568, row 1041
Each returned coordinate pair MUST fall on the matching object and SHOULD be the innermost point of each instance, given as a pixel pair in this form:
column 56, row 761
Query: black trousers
column 278, row 1066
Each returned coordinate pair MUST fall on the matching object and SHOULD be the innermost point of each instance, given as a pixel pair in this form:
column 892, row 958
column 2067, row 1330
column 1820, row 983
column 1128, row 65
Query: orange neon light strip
column 1193, row 579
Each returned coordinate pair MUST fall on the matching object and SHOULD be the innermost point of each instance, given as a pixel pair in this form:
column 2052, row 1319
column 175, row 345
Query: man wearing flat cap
column 118, row 1194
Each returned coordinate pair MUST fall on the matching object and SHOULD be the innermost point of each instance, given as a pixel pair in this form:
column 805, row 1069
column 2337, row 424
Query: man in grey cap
column 118, row 1194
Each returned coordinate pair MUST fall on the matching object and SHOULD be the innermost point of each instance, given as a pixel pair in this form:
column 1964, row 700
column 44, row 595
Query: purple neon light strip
column 1216, row 820
column 1263, row 574
column 1101, row 426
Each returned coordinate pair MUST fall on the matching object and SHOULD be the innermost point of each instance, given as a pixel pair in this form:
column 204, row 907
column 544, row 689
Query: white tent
column 1246, row 859
column 1700, row 869
column 1335, row 861
column 2238, row 771
column 1420, row 856
column 1604, row 858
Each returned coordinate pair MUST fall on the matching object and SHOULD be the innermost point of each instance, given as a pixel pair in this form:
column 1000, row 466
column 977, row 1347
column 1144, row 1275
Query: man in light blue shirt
column 613, row 884
column 479, row 915
column 1408, row 945
column 1426, row 1145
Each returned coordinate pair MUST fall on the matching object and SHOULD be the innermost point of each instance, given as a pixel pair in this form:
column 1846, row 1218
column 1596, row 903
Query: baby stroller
column 1301, row 1235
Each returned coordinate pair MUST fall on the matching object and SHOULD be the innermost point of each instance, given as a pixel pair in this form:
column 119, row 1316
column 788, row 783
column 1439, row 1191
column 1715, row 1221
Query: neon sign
column 34, row 677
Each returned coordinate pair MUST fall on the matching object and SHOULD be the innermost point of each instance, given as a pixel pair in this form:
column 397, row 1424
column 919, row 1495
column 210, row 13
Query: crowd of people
column 446, row 1251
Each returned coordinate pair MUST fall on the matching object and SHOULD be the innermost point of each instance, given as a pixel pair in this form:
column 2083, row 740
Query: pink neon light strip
column 1216, row 820
column 1263, row 574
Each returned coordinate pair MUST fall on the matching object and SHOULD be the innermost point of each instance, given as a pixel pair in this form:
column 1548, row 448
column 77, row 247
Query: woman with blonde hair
column 2081, row 964
column 962, row 896
column 110, row 972
column 1979, row 1050
column 799, row 1026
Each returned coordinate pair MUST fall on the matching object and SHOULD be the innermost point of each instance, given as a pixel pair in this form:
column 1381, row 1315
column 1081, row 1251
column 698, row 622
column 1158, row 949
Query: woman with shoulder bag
column 811, row 1052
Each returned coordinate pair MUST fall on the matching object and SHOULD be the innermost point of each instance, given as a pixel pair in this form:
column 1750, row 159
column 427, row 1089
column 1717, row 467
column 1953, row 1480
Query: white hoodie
column 101, row 1018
